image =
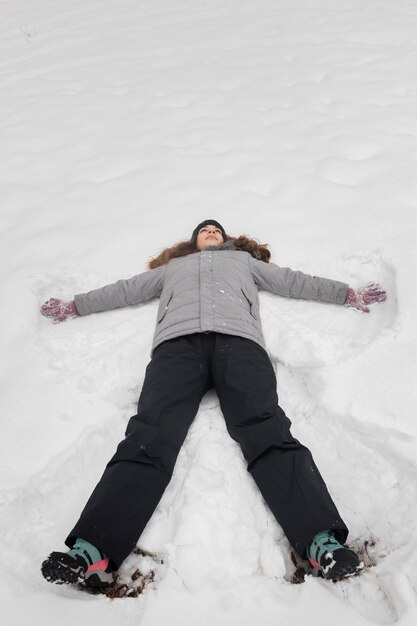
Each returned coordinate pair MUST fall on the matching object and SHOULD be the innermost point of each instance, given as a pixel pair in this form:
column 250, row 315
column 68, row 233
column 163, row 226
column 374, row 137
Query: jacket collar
column 227, row 245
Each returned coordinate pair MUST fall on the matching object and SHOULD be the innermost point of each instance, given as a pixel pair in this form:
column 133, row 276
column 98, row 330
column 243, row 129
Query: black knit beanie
column 206, row 223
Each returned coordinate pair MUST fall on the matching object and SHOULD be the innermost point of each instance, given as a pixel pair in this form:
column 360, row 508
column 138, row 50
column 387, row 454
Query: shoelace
column 321, row 544
column 89, row 553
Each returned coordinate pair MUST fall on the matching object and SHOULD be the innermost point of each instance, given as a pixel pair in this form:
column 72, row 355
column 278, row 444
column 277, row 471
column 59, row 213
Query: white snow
column 123, row 124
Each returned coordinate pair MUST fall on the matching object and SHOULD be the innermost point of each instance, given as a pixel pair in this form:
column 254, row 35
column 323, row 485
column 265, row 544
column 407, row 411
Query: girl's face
column 209, row 236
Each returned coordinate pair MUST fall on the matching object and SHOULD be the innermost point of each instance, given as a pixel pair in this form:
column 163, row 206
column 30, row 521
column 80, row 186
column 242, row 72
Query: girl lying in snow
column 208, row 334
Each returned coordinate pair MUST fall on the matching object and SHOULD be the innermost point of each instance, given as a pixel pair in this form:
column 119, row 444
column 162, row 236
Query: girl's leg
column 136, row 477
column 282, row 467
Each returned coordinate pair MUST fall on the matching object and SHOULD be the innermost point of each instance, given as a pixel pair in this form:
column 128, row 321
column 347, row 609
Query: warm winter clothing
column 83, row 564
column 207, row 223
column 330, row 558
column 214, row 290
column 360, row 298
column 59, row 310
column 87, row 551
column 180, row 372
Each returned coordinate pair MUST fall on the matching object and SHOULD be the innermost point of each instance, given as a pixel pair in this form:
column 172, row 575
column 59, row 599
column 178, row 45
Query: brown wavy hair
column 183, row 248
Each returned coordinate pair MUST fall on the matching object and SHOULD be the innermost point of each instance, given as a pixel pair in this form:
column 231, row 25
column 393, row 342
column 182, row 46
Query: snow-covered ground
column 123, row 124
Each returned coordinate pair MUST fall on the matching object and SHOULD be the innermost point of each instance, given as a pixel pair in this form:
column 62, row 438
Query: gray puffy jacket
column 213, row 290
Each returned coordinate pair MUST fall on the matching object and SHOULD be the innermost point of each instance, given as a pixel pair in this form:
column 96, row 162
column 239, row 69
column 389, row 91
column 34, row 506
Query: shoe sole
column 344, row 570
column 348, row 566
column 60, row 574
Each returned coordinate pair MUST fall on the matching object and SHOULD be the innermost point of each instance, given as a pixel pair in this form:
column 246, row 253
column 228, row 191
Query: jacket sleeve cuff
column 78, row 301
column 342, row 295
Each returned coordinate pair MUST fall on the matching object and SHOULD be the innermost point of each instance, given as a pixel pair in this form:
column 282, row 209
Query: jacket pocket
column 163, row 308
column 252, row 307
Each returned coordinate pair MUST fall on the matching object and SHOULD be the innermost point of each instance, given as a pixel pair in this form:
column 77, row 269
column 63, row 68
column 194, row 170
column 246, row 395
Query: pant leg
column 282, row 467
column 137, row 475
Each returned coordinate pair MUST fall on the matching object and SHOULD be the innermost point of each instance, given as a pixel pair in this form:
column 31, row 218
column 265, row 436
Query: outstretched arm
column 293, row 284
column 123, row 293
column 284, row 281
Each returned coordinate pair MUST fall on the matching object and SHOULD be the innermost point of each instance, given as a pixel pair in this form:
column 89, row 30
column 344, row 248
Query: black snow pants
column 179, row 374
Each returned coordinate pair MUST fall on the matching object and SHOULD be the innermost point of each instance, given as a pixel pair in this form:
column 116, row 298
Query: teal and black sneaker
column 84, row 564
column 330, row 559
